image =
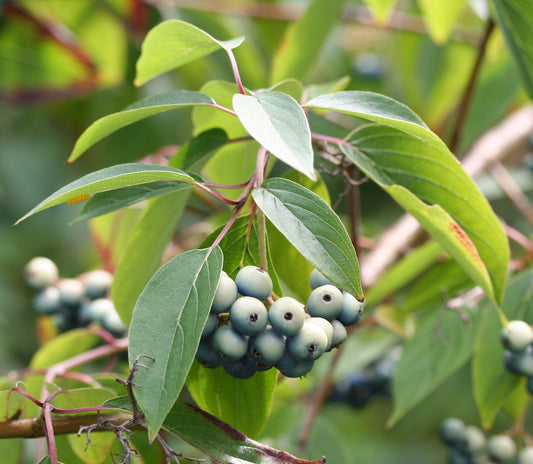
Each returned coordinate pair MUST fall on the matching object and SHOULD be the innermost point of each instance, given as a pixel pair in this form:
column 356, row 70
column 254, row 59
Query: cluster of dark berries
column 517, row 338
column 358, row 388
column 245, row 337
column 469, row 445
column 73, row 303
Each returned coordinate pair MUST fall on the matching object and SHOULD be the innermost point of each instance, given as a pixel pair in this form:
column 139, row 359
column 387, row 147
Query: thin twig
column 469, row 89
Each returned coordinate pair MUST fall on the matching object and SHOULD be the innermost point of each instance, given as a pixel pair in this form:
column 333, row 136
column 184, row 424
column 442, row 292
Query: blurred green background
column 52, row 88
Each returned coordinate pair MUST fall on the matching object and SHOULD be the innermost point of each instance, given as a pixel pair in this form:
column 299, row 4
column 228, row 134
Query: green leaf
column 515, row 18
column 278, row 122
column 426, row 180
column 493, row 387
column 100, row 442
column 375, row 107
column 167, row 322
column 441, row 17
column 381, row 9
column 107, row 202
column 142, row 256
column 301, row 44
column 313, row 228
column 243, row 404
column 11, row 450
column 142, row 109
column 172, row 44
column 10, row 405
column 193, row 155
column 114, row 177
column 221, row 441
column 442, row 344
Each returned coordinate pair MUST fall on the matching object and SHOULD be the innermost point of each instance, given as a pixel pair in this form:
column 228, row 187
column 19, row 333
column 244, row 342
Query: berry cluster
column 517, row 338
column 75, row 302
column 245, row 337
column 469, row 445
column 358, row 388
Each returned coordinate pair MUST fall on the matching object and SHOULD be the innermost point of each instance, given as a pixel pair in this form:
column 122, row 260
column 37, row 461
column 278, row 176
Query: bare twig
column 469, row 89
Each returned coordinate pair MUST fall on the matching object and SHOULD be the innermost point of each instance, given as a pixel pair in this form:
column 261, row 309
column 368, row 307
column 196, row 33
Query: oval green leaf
column 243, row 404
column 515, row 18
column 221, row 441
column 172, row 44
column 167, row 323
column 430, row 184
column 313, row 228
column 494, row 386
column 142, row 109
column 442, row 344
column 278, row 122
column 114, row 177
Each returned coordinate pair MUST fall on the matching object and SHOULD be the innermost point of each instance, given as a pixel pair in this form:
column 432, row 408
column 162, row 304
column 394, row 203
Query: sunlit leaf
column 174, row 43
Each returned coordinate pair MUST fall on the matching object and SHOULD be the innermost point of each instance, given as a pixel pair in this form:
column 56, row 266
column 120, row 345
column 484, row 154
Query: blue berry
column 317, row 279
column 225, row 295
column 96, row 310
column 97, row 283
column 451, row 431
column 207, row 357
column 229, row 343
column 516, row 335
column 111, row 321
column 501, row 448
column 239, row 369
column 339, row 334
column 521, row 362
column 325, row 301
column 525, row 456
column 254, row 281
column 472, row 441
column 267, row 346
column 47, row 301
column 71, row 291
column 301, row 369
column 287, row 315
column 309, row 343
column 248, row 315
column 40, row 272
column 352, row 310
column 325, row 325
column 210, row 325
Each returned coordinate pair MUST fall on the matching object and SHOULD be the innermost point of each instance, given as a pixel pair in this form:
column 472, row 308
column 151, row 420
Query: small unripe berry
column 317, row 279
column 254, row 281
column 97, row 283
column 352, row 310
column 525, row 456
column 47, row 301
column 248, row 315
column 309, row 343
column 339, row 334
column 325, row 325
column 451, row 431
column 472, row 440
column 71, row 291
column 229, row 343
column 225, row 295
column 516, row 335
column 210, row 325
column 325, row 301
column 301, row 369
column 501, row 448
column 40, row 272
column 96, row 310
column 287, row 315
column 268, row 346
column 111, row 321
